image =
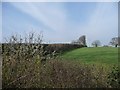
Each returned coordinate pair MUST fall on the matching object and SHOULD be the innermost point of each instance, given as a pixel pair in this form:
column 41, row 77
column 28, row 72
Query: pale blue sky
column 62, row 21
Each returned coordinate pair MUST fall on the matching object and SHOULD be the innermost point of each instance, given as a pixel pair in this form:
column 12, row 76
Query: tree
column 96, row 43
column 115, row 41
column 82, row 40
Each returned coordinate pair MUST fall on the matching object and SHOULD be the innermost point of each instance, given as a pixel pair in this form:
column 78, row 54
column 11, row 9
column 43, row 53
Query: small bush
column 113, row 78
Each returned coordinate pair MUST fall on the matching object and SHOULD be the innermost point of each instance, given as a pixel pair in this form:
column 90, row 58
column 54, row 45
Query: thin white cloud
column 103, row 24
column 52, row 17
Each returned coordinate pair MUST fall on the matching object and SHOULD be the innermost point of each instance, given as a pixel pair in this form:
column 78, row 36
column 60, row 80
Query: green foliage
column 61, row 48
column 113, row 78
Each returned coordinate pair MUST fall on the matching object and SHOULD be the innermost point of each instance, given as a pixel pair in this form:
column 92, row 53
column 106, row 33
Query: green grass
column 99, row 55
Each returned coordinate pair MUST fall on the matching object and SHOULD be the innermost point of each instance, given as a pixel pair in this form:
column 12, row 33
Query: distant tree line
column 115, row 41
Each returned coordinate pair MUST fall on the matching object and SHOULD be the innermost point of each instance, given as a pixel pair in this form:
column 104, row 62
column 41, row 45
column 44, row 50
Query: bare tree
column 115, row 41
column 82, row 40
column 96, row 43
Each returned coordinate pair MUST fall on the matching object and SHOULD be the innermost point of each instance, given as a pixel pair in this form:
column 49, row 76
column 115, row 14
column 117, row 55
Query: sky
column 61, row 22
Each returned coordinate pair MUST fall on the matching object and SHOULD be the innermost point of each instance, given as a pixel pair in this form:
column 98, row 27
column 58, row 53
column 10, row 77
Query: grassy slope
column 104, row 55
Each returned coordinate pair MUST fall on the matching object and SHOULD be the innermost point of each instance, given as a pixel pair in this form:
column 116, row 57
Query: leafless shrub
column 20, row 57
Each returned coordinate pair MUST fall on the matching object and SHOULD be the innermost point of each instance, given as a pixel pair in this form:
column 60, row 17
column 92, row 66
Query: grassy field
column 99, row 55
